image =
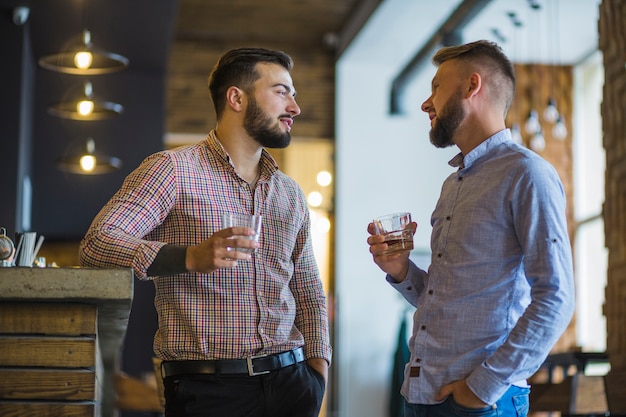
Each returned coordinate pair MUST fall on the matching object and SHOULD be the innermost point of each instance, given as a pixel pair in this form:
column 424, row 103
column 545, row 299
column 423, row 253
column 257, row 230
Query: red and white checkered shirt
column 272, row 303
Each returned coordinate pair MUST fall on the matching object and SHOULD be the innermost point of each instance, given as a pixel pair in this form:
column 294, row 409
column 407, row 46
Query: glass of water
column 252, row 221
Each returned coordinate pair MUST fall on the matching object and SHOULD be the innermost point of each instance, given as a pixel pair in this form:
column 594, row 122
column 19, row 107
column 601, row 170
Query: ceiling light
column 315, row 199
column 534, row 4
column 89, row 162
column 532, row 123
column 515, row 19
column 324, row 178
column 559, row 131
column 83, row 58
column 551, row 113
column 516, row 135
column 322, row 225
column 538, row 141
column 86, row 107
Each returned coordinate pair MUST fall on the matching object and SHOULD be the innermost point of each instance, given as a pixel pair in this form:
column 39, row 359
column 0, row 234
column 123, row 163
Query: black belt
column 253, row 365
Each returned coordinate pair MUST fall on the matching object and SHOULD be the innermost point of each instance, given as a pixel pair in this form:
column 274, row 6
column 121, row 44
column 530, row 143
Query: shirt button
column 448, row 218
column 439, row 255
column 430, row 292
column 423, row 327
column 417, row 360
column 409, row 288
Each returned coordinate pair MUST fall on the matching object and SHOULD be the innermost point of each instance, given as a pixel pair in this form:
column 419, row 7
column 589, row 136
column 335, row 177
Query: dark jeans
column 514, row 403
column 294, row 391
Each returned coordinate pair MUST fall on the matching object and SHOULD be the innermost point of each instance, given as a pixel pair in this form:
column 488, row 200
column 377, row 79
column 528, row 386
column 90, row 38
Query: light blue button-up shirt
column 500, row 288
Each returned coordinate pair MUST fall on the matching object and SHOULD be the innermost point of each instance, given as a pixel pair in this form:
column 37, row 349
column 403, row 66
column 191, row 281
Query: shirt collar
column 461, row 161
column 268, row 163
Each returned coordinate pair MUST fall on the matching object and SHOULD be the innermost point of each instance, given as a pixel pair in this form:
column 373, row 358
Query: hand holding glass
column 252, row 221
column 397, row 230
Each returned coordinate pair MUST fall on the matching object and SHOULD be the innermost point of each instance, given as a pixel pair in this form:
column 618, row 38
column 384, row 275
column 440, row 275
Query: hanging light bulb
column 559, row 131
column 83, row 58
column 538, row 142
column 551, row 113
column 516, row 135
column 86, row 107
column 532, row 125
column 89, row 162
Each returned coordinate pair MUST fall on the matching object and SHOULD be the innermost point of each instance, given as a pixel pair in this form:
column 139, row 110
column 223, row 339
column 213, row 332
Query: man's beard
column 260, row 127
column 447, row 122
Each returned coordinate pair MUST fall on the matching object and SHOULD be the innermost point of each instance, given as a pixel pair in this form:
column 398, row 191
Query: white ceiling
column 559, row 32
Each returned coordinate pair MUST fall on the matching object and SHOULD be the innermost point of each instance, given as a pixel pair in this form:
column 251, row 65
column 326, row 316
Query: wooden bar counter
column 61, row 330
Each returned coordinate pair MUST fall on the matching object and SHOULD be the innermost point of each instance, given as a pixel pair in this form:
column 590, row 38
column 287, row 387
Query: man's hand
column 461, row 394
column 320, row 365
column 218, row 251
column 396, row 265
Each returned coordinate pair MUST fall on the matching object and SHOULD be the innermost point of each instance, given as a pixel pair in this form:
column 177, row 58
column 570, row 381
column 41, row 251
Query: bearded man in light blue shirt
column 500, row 288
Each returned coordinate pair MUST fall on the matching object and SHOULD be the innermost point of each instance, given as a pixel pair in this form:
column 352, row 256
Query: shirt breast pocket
column 280, row 238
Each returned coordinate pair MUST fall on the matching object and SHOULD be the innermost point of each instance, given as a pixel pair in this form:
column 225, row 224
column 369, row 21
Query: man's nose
column 293, row 108
column 426, row 105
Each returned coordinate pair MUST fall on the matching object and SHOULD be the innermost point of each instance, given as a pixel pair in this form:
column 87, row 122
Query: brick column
column 612, row 43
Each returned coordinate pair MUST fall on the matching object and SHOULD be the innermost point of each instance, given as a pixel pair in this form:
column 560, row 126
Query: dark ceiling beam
column 357, row 18
column 449, row 33
column 221, row 37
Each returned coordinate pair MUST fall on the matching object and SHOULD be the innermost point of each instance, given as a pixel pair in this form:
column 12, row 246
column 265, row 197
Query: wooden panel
column 48, row 318
column 301, row 22
column 47, row 384
column 189, row 107
column 611, row 42
column 578, row 394
column 590, row 397
column 48, row 351
column 614, row 383
column 551, row 397
column 19, row 409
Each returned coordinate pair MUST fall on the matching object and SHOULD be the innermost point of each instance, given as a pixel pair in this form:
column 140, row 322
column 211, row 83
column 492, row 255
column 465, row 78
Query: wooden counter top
column 110, row 290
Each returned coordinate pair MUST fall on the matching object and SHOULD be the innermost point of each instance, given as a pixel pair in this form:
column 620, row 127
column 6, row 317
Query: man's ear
column 474, row 85
column 234, row 98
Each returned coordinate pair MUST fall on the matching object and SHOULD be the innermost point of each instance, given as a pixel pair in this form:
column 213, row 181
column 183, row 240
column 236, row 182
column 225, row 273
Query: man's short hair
column 491, row 59
column 238, row 68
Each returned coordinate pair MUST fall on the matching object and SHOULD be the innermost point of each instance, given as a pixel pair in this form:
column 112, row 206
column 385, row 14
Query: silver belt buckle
column 251, row 371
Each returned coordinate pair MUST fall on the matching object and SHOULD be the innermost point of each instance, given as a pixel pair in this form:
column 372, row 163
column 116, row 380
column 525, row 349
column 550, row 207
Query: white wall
column 591, row 255
column 384, row 164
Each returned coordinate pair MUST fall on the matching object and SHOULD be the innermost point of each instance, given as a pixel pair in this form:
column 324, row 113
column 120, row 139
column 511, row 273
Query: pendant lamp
column 84, row 58
column 86, row 107
column 89, row 162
